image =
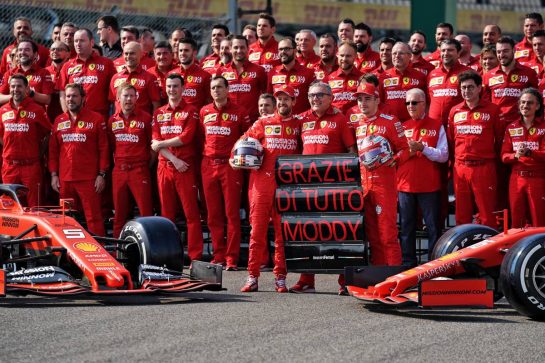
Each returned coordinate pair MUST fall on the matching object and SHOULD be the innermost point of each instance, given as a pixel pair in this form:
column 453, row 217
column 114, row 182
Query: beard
column 360, row 47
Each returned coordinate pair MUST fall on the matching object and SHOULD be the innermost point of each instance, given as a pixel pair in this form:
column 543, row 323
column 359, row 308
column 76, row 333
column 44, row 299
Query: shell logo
column 87, row 247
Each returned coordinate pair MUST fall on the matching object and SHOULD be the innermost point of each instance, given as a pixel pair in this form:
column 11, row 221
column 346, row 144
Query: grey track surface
column 231, row 326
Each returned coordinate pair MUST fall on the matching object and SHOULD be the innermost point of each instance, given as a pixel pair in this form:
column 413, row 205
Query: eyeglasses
column 318, row 95
column 412, row 103
column 285, row 49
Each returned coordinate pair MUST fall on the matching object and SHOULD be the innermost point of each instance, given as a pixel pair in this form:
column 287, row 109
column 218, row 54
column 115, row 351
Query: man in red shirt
column 174, row 39
column 67, row 36
column 367, row 59
column 524, row 149
column 328, row 57
column 210, row 62
column 385, row 54
column 324, row 130
column 491, row 34
column 163, row 65
column 344, row 81
column 79, row 156
column 59, row 55
column 443, row 31
column 265, row 51
column 23, row 133
column 174, row 136
column 132, row 34
column 538, row 47
column 419, row 178
column 22, row 28
column 196, row 81
column 465, row 53
column 148, row 94
column 279, row 134
column 345, row 30
column 92, row 72
column 306, row 40
column 250, row 33
column 504, row 84
column 246, row 79
column 396, row 81
column 443, row 87
column 39, row 79
column 417, row 42
column 222, row 122
column 475, row 135
column 523, row 50
column 379, row 185
column 291, row 73
column 129, row 131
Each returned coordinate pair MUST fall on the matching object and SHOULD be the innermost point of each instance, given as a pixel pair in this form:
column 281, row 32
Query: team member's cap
column 284, row 89
column 367, row 89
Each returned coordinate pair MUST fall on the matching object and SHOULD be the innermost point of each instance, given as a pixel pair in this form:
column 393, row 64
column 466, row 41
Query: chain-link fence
column 44, row 18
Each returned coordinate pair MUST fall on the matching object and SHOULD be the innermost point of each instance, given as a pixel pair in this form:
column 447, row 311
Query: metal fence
column 44, row 18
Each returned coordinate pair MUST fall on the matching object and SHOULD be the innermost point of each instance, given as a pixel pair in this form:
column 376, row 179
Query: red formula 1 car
column 472, row 265
column 44, row 251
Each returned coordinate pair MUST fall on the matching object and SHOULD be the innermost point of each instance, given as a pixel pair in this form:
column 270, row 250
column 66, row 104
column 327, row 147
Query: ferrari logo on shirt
column 514, row 77
column 308, row 125
column 372, row 129
column 436, row 80
column 389, row 82
column 254, row 56
column 532, row 131
column 289, row 131
column 63, row 125
column 337, row 83
column 279, row 79
column 22, row 113
column 229, row 75
column 496, row 80
column 10, row 115
column 92, row 66
column 244, row 74
column 423, row 132
column 118, row 125
column 364, row 64
column 132, row 124
column 406, row 80
column 453, row 79
column 273, row 130
column 351, row 83
column 189, row 78
column 177, row 115
column 461, row 116
column 268, row 55
column 516, row 132
column 133, row 81
column 210, row 118
column 81, row 124
column 323, row 124
column 225, row 116
column 293, row 78
column 476, row 115
column 29, row 78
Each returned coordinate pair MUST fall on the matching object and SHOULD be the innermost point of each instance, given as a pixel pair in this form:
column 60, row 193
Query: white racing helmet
column 247, row 154
column 375, row 150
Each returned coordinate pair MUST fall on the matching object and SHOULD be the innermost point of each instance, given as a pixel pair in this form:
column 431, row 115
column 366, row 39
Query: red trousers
column 527, row 198
column 262, row 192
column 130, row 179
column 475, row 184
column 84, row 190
column 29, row 175
column 222, row 189
column 173, row 187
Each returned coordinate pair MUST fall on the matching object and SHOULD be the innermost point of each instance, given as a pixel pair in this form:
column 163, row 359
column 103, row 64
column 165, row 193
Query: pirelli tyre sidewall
column 522, row 276
column 460, row 237
column 157, row 242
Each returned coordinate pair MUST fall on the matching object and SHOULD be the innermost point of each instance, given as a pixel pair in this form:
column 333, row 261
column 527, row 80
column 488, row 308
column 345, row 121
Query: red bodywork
column 401, row 288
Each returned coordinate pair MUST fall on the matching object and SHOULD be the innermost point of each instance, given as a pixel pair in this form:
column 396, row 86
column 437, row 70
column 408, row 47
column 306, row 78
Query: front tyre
column 522, row 276
column 460, row 237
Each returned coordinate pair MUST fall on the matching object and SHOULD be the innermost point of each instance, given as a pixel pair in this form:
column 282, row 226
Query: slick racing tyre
column 522, row 276
column 460, row 237
column 156, row 242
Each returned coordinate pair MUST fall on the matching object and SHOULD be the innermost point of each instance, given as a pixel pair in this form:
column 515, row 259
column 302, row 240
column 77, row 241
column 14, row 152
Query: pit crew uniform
column 475, row 137
column 146, row 62
column 536, row 65
column 181, row 121
column 328, row 134
column 368, row 61
column 78, row 152
column 322, row 71
column 94, row 75
column 504, row 89
column 38, row 79
column 299, row 78
column 221, row 128
column 423, row 66
column 527, row 181
column 266, row 55
column 130, row 138
column 246, row 87
column 145, row 83
column 343, row 87
column 22, row 131
column 279, row 136
column 393, row 87
column 524, row 51
column 160, row 79
column 210, row 63
column 41, row 58
column 444, row 91
column 380, row 190
column 307, row 62
column 54, row 108
column 434, row 58
column 422, row 166
column 196, row 85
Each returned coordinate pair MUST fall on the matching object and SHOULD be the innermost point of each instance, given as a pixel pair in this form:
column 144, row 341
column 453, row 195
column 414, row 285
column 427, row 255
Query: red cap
column 367, row 89
column 284, row 89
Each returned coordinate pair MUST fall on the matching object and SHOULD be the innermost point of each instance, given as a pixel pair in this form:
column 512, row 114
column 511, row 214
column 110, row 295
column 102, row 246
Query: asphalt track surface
column 230, row 326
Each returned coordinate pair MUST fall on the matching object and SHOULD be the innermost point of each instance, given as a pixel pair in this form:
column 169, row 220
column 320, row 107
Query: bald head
column 465, row 41
column 132, row 52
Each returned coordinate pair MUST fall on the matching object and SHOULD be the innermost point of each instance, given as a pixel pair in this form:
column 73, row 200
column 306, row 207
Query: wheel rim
column 538, row 276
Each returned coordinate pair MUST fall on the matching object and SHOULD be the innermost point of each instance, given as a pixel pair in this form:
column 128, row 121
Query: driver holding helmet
column 378, row 135
column 279, row 135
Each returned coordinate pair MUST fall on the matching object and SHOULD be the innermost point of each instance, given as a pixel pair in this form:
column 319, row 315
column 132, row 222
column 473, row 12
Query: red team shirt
column 210, row 63
column 369, row 61
column 145, row 84
column 146, row 62
column 196, row 84
column 517, row 135
column 423, row 66
column 160, row 79
column 299, row 78
column 78, row 141
column 327, row 134
column 41, row 59
column 393, row 87
column 130, row 137
column 343, row 87
column 265, row 55
column 321, row 71
column 39, row 80
column 524, row 51
column 221, row 128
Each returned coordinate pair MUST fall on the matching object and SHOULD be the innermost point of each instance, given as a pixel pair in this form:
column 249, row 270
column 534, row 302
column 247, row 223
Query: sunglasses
column 412, row 103
column 317, row 95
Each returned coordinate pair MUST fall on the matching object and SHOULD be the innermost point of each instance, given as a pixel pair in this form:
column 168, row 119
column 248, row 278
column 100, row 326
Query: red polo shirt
column 265, row 55
column 299, row 78
column 196, row 84
column 145, row 83
column 343, row 87
column 39, row 79
column 328, row 134
column 393, row 87
column 367, row 61
column 516, row 135
column 130, row 137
